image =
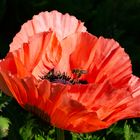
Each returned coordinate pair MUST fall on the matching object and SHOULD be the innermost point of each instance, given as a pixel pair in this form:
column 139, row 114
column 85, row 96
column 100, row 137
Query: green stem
column 60, row 134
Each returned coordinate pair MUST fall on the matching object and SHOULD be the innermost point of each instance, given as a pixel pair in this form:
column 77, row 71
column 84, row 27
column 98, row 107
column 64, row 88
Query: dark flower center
column 63, row 78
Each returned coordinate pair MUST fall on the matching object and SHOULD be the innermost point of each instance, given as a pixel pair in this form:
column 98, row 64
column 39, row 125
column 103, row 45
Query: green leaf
column 4, row 126
column 26, row 130
column 127, row 132
column 4, row 100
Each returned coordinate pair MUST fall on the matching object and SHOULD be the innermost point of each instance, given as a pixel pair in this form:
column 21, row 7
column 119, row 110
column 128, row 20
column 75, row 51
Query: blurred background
column 118, row 19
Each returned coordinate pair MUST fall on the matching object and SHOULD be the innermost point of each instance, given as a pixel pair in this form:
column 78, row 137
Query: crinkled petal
column 80, row 121
column 102, row 58
column 60, row 104
column 110, row 61
column 129, row 106
column 79, row 45
column 10, row 67
column 40, row 54
column 95, row 106
column 63, row 25
column 78, row 108
column 24, row 89
column 13, row 87
column 74, row 105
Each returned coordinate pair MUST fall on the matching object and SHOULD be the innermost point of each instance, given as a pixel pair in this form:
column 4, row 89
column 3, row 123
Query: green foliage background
column 116, row 19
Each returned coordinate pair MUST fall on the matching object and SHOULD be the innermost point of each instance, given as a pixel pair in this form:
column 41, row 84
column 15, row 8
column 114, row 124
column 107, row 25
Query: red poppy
column 78, row 82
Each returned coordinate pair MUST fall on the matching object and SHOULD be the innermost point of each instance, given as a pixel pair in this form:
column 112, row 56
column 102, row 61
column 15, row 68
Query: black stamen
column 57, row 77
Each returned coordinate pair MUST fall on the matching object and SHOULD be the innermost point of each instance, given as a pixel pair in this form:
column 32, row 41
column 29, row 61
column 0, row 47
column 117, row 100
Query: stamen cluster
column 63, row 78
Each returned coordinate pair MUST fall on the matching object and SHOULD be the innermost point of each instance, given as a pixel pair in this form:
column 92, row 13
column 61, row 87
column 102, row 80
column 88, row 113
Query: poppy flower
column 78, row 82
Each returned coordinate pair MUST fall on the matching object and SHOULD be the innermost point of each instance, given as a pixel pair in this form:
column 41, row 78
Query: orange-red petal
column 10, row 67
column 62, row 25
column 97, row 106
column 129, row 106
column 79, row 45
column 102, row 58
column 110, row 61
column 40, row 54
column 78, row 108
